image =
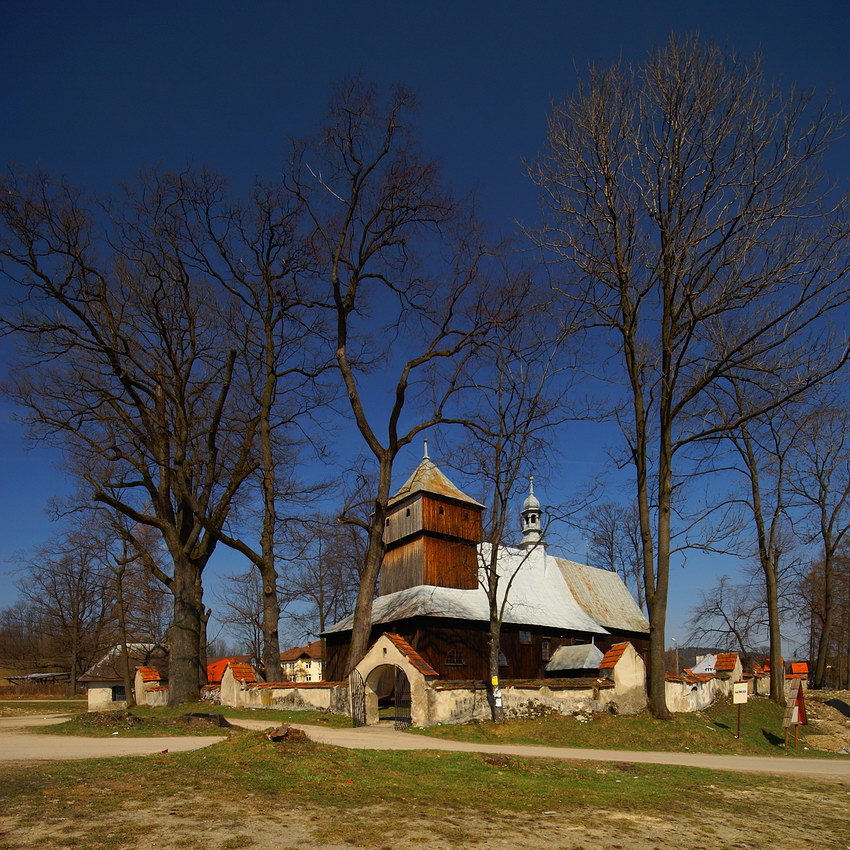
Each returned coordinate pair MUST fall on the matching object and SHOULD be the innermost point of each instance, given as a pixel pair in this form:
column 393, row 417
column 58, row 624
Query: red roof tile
column 613, row 655
column 243, row 672
column 312, row 650
column 799, row 667
column 216, row 668
column 157, row 688
column 726, row 662
column 149, row 674
column 412, row 655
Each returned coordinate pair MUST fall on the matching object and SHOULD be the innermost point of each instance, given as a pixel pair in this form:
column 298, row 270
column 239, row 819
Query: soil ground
column 794, row 813
column 757, row 819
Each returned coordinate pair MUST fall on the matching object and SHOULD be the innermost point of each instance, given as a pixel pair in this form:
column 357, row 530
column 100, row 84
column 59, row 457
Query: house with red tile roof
column 302, row 663
column 104, row 680
column 217, row 666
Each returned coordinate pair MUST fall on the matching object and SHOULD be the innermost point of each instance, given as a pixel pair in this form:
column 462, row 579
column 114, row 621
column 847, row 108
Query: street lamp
column 676, row 642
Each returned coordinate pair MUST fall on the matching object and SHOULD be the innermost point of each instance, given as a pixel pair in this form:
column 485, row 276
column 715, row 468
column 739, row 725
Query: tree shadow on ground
column 839, row 705
column 773, row 740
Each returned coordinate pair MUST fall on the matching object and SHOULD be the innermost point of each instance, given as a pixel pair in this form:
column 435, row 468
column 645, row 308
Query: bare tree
column 240, row 608
column 516, row 404
column 255, row 252
column 128, row 366
column 399, row 264
column 821, row 483
column 732, row 617
column 614, row 543
column 319, row 585
column 811, row 616
column 698, row 236
column 69, row 586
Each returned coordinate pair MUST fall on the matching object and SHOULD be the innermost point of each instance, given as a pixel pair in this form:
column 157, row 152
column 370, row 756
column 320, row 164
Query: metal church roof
column 603, row 595
column 582, row 656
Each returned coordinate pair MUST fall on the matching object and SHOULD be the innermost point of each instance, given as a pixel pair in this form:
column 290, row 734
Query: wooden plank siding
column 460, row 521
column 403, row 567
column 435, row 638
column 450, row 563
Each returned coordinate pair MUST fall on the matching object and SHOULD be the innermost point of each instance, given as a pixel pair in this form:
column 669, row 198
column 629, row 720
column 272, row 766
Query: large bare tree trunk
column 362, row 627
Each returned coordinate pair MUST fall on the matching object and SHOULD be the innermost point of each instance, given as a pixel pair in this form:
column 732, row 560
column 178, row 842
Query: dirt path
column 386, row 738
column 17, row 745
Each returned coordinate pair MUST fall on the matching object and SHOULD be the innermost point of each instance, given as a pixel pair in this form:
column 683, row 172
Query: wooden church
column 430, row 593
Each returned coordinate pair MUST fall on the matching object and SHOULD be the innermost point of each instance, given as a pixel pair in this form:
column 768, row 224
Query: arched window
column 454, row 658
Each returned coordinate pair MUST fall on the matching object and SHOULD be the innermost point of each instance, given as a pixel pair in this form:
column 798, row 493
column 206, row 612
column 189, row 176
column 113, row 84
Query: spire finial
column 425, row 455
column 530, row 485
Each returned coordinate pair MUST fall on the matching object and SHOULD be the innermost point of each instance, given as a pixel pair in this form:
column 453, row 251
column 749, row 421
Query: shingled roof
column 726, row 662
column 427, row 478
column 312, row 650
column 243, row 672
column 149, row 674
column 108, row 669
column 613, row 655
column 412, row 655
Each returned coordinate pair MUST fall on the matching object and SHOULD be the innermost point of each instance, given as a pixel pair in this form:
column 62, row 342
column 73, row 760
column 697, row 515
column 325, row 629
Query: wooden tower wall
column 431, row 540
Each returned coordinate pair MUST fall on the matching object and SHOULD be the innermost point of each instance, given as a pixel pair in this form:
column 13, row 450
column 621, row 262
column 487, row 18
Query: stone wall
column 462, row 702
column 294, row 696
column 100, row 697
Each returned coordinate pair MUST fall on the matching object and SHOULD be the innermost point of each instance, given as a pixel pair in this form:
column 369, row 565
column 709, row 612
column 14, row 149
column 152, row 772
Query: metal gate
column 401, row 698
column 357, row 689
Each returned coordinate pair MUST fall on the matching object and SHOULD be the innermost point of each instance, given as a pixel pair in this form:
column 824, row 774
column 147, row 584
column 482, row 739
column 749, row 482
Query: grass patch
column 709, row 731
column 247, row 763
column 357, row 795
column 148, row 722
column 39, row 707
column 321, row 718
column 128, row 724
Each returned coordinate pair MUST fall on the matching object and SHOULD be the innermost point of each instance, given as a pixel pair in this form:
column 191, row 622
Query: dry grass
column 247, row 787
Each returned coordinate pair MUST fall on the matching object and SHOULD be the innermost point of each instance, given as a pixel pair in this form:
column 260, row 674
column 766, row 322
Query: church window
column 545, row 653
column 442, row 510
column 407, row 512
column 388, row 522
column 118, row 693
column 454, row 658
column 503, row 660
column 524, row 637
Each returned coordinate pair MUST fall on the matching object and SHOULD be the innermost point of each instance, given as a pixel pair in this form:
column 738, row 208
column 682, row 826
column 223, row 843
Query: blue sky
column 98, row 90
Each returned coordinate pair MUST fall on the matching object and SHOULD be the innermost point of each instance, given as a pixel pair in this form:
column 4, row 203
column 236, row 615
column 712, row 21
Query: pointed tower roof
column 427, row 478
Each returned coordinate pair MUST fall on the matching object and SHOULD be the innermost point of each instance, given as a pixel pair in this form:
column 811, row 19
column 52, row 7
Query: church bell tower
column 432, row 534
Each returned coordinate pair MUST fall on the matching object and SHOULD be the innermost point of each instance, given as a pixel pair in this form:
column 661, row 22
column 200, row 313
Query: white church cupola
column 532, row 534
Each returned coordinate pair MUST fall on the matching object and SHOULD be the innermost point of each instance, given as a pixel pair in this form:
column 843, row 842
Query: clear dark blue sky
column 98, row 90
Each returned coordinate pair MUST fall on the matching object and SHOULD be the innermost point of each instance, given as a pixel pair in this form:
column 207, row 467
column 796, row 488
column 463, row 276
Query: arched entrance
column 388, row 688
column 389, row 684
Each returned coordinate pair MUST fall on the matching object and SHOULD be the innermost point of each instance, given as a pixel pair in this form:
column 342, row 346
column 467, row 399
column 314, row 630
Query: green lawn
column 153, row 722
column 709, row 731
column 251, row 773
column 30, row 707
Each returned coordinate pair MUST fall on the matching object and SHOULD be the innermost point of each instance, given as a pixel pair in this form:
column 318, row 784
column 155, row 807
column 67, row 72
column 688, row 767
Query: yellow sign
column 495, row 681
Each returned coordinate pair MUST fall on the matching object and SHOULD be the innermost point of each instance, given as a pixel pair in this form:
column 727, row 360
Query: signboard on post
column 792, row 712
column 739, row 693
column 795, row 709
